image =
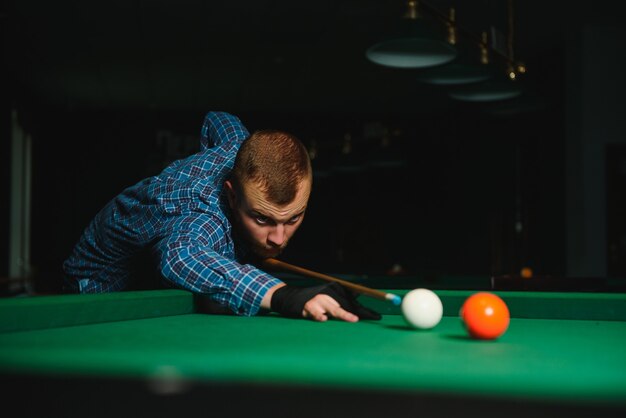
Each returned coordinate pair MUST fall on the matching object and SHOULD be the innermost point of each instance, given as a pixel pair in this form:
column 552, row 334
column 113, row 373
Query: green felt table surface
column 155, row 335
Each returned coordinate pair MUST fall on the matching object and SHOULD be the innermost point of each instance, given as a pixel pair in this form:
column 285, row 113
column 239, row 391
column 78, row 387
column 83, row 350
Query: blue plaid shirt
column 181, row 216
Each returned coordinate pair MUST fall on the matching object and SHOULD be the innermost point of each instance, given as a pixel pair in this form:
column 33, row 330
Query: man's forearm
column 266, row 303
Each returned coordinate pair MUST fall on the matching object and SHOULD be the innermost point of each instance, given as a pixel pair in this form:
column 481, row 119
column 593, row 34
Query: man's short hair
column 274, row 160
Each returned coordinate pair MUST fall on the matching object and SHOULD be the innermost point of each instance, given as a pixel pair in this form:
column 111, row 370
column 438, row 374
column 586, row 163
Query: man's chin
column 265, row 253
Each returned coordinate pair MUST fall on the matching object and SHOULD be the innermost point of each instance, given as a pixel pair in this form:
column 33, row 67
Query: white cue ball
column 422, row 308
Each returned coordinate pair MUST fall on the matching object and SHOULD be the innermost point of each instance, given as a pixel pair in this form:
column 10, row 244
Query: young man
column 205, row 221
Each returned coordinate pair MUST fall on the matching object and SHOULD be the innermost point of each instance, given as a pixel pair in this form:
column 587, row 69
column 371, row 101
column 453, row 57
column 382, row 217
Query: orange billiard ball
column 485, row 316
column 526, row 272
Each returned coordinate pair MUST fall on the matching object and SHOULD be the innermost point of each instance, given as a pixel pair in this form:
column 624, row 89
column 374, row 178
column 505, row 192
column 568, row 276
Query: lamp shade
column 471, row 65
column 488, row 91
column 412, row 43
column 455, row 73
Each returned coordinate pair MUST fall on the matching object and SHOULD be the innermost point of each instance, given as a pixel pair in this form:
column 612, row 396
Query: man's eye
column 294, row 220
column 261, row 220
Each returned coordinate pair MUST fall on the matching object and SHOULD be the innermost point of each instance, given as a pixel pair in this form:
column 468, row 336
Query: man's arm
column 221, row 127
column 319, row 308
column 319, row 303
column 192, row 257
column 189, row 260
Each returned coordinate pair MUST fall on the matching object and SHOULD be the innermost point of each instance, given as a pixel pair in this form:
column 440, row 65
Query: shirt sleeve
column 221, row 127
column 191, row 258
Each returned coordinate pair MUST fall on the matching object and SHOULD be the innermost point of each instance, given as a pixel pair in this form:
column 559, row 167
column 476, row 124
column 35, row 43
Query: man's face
column 266, row 226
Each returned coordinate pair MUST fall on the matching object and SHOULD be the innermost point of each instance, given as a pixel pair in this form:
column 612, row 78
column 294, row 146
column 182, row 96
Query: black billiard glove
column 289, row 301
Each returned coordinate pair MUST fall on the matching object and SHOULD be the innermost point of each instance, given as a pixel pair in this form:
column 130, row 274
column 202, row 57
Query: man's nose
column 277, row 235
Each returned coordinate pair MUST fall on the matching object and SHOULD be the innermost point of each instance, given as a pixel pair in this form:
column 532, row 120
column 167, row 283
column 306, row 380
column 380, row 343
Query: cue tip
column 395, row 299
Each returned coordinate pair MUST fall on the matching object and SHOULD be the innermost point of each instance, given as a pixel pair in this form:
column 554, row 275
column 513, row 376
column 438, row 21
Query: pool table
column 151, row 353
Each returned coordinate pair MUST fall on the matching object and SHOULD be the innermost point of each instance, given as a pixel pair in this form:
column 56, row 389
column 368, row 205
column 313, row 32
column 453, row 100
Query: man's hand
column 320, row 303
column 321, row 307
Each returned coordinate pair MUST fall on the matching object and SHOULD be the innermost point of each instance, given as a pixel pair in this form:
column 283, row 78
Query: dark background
column 112, row 91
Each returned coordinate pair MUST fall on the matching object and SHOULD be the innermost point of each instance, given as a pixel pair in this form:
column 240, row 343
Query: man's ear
column 230, row 192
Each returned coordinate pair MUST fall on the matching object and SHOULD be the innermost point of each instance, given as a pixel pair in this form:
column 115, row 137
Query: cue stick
column 281, row 265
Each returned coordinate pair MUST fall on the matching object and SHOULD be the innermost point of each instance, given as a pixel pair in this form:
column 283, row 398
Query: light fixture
column 502, row 87
column 455, row 73
column 488, row 91
column 471, row 65
column 414, row 43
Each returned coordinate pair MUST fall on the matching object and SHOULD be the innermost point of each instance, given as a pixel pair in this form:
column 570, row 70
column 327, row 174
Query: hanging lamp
column 502, row 87
column 415, row 42
column 471, row 65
